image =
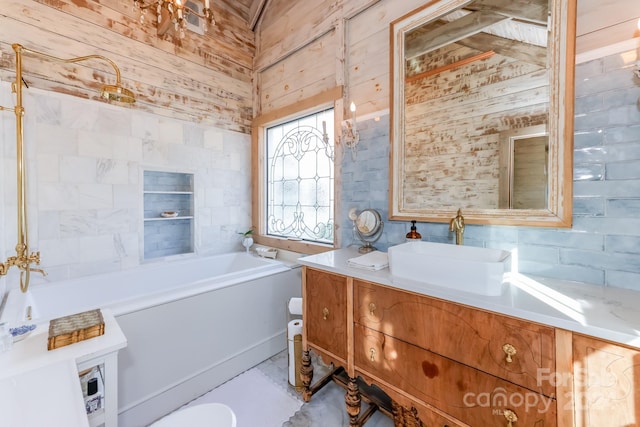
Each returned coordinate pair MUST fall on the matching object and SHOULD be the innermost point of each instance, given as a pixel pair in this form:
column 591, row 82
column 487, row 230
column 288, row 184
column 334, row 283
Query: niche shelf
column 167, row 192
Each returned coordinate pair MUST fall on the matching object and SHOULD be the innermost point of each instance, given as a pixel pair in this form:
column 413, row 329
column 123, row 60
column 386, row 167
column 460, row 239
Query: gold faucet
column 23, row 260
column 457, row 224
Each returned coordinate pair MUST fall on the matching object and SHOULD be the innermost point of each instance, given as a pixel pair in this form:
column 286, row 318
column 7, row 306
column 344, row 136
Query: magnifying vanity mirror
column 482, row 112
column 368, row 226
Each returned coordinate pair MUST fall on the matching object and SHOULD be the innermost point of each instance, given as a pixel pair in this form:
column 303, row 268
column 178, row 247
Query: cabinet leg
column 396, row 411
column 413, row 419
column 403, row 417
column 306, row 375
column 352, row 399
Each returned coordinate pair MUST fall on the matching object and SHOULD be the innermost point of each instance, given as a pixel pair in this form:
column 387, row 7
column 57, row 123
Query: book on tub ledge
column 75, row 328
column 372, row 261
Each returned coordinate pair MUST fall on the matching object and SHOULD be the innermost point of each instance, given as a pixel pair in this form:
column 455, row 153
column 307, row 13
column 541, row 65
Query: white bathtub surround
column 84, row 163
column 40, row 387
column 190, row 324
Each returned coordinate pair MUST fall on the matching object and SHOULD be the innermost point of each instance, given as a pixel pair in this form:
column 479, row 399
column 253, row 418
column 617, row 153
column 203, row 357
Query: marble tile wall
column 85, row 166
column 603, row 247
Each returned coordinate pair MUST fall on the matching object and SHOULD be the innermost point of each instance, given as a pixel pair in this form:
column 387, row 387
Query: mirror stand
column 369, row 241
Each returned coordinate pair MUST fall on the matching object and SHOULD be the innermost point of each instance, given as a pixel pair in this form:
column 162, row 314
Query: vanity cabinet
column 441, row 363
column 327, row 328
column 508, row 348
column 606, row 380
column 446, row 364
column 565, row 357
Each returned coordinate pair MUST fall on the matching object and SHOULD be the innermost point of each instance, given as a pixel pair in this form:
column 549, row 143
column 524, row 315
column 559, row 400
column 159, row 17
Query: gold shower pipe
column 23, row 259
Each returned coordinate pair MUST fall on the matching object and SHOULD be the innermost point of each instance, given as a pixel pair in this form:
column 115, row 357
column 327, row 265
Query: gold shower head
column 109, row 92
column 117, row 93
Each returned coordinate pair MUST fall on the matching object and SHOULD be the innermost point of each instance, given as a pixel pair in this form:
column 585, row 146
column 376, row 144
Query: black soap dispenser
column 413, row 235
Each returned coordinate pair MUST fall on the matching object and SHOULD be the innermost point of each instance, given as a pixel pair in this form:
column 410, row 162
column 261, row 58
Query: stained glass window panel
column 300, row 173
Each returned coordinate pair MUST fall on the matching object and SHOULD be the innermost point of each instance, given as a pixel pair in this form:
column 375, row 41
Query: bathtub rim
column 14, row 313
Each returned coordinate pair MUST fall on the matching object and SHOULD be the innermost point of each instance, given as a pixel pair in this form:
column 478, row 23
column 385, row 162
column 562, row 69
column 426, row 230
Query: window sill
column 299, row 246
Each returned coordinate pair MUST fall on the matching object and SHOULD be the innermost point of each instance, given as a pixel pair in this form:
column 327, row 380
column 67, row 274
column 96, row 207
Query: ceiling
column 255, row 8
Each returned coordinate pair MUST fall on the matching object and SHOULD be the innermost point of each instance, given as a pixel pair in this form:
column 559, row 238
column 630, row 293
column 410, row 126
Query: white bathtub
column 190, row 325
column 141, row 287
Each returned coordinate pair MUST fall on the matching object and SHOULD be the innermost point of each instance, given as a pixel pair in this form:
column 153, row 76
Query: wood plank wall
column 317, row 46
column 606, row 22
column 297, row 39
column 208, row 78
column 205, row 80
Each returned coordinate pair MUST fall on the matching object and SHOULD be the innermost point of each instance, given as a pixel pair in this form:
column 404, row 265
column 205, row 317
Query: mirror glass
column 482, row 112
column 369, row 226
column 367, row 222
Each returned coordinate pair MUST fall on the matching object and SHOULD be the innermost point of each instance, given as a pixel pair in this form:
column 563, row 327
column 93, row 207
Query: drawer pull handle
column 325, row 313
column 510, row 416
column 372, row 308
column 510, row 351
column 372, row 354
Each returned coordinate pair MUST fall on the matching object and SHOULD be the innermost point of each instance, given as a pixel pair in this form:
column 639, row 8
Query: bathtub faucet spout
column 23, row 260
column 39, row 270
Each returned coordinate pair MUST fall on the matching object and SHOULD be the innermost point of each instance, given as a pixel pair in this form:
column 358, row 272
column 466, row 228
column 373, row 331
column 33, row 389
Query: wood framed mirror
column 472, row 84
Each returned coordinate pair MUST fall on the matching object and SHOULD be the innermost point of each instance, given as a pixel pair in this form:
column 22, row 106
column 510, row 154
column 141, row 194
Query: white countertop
column 44, row 396
column 42, row 388
column 603, row 312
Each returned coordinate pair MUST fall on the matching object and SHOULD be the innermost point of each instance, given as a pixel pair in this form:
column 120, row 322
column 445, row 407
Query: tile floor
column 263, row 397
column 260, row 396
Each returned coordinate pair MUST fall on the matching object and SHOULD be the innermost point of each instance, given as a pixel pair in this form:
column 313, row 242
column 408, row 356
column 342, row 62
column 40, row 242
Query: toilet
column 204, row 415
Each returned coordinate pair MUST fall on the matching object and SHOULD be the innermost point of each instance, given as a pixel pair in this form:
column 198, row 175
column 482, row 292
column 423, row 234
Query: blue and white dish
column 21, row 332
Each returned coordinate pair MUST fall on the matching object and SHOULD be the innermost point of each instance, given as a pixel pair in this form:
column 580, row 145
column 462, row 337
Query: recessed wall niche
column 168, row 213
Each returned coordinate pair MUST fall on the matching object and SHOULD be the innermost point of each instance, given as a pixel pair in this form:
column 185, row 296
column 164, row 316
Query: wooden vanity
column 446, row 363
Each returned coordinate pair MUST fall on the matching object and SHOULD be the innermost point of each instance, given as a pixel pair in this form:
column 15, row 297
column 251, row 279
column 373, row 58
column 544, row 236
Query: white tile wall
column 85, row 163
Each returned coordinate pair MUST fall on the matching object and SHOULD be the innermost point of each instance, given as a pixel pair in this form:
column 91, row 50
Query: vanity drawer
column 325, row 322
column 465, row 393
column 471, row 336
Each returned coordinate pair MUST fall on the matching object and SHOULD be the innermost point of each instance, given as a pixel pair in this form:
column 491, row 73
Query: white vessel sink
column 465, row 268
